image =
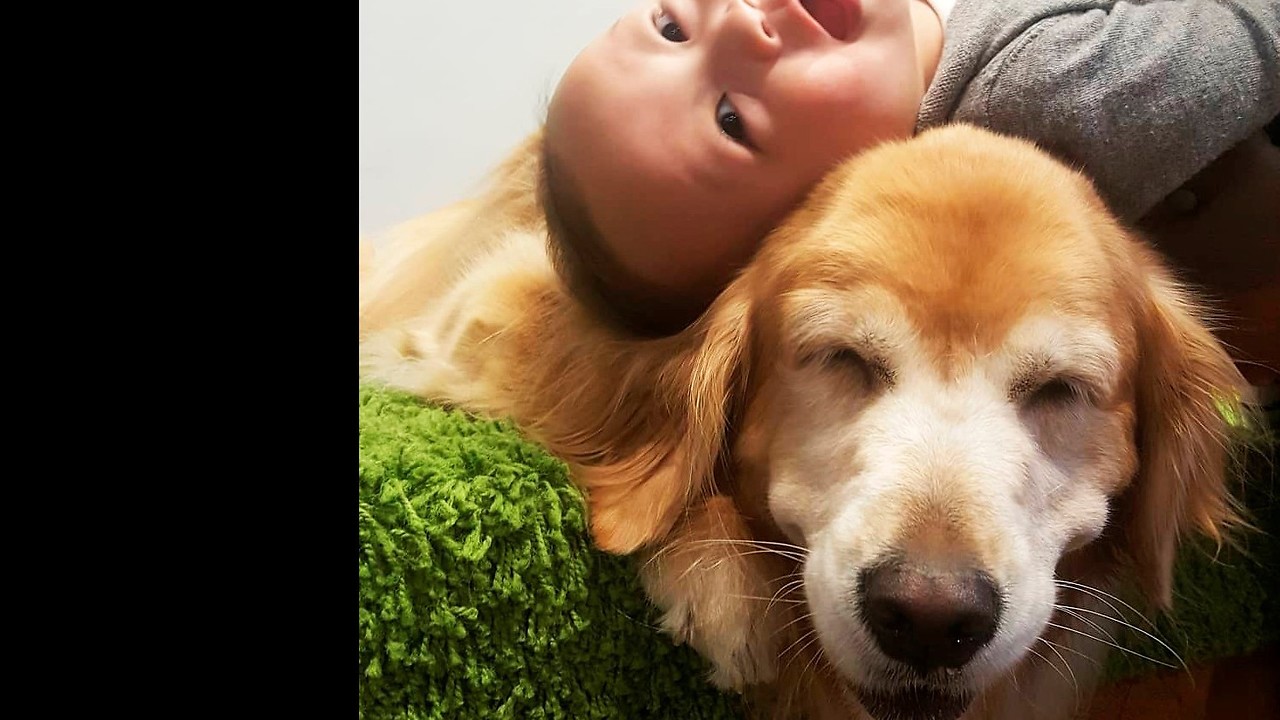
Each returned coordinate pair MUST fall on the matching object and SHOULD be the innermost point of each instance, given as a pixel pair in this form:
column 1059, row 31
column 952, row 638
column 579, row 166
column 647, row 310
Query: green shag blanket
column 481, row 596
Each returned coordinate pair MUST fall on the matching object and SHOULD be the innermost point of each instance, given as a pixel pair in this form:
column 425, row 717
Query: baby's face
column 691, row 127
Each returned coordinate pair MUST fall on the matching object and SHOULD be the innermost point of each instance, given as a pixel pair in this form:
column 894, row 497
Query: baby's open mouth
column 835, row 16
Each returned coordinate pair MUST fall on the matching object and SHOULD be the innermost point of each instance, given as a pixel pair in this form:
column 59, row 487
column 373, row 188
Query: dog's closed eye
column 874, row 372
column 1054, row 391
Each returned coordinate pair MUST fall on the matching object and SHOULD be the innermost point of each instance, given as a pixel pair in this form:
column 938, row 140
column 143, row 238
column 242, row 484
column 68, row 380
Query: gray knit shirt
column 1140, row 94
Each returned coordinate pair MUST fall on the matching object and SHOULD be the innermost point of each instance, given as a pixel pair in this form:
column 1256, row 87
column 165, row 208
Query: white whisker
column 812, row 662
column 1114, row 645
column 1102, row 595
column 656, row 556
column 1046, row 662
column 735, row 556
column 769, row 600
column 812, row 631
column 794, row 552
column 786, row 590
column 1071, row 611
column 1131, row 626
column 805, row 616
column 1074, row 651
column 690, row 569
column 1074, row 683
column 800, row 652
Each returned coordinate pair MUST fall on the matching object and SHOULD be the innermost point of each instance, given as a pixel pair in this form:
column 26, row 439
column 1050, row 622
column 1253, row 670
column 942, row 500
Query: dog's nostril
column 976, row 627
column 926, row 618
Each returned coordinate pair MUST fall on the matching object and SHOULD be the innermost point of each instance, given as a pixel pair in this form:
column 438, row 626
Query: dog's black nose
column 929, row 618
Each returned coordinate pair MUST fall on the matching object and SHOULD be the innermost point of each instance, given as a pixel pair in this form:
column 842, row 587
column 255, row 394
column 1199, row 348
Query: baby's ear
column 684, row 404
column 1187, row 387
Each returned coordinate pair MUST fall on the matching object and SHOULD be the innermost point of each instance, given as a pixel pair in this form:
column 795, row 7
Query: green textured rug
column 481, row 597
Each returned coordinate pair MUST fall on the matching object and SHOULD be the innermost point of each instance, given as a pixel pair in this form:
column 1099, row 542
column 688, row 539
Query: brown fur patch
column 671, row 438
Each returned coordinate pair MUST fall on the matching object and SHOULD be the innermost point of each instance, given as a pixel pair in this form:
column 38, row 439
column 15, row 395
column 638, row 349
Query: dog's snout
column 929, row 618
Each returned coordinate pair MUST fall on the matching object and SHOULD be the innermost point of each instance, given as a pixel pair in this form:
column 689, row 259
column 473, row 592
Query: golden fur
column 951, row 351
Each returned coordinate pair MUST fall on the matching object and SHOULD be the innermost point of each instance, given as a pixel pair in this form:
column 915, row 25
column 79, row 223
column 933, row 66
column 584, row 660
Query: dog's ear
column 687, row 403
column 641, row 422
column 1187, row 386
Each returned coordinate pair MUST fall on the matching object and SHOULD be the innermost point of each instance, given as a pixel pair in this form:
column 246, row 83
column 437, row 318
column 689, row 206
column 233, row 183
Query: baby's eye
column 731, row 123
column 668, row 27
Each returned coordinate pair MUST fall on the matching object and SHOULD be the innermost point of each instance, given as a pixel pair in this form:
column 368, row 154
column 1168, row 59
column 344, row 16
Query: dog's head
column 948, row 371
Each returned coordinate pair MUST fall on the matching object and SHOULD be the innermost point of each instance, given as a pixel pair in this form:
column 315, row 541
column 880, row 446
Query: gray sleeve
column 1140, row 95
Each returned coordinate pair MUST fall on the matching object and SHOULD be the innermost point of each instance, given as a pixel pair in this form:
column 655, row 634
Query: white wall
column 447, row 87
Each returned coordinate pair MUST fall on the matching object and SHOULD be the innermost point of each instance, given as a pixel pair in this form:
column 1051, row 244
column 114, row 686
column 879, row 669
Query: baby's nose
column 748, row 31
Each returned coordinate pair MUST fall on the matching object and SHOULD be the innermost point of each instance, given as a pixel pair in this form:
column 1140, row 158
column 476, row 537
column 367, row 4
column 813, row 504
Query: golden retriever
column 897, row 467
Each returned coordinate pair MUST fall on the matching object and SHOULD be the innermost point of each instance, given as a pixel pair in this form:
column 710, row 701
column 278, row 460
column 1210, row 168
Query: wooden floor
column 1245, row 688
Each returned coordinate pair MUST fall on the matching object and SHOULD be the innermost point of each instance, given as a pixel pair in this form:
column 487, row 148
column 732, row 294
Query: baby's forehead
column 612, row 55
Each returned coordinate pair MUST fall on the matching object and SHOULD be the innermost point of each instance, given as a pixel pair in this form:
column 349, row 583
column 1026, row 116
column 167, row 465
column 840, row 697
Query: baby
column 678, row 138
